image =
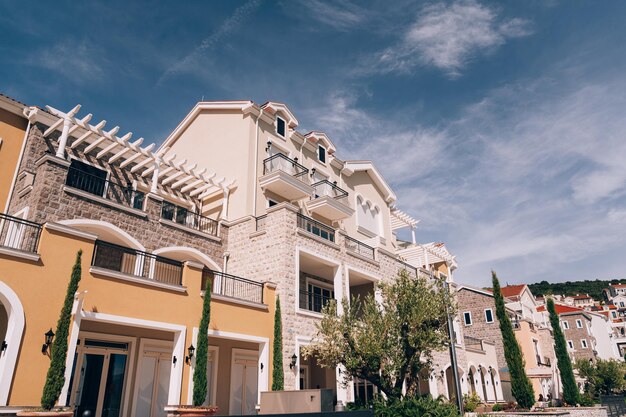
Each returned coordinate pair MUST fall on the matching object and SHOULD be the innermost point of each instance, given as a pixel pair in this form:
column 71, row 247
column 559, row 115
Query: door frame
column 242, row 352
column 307, row 381
column 130, row 353
column 163, row 344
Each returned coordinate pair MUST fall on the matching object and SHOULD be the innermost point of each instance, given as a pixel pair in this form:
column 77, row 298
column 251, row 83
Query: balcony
column 316, row 228
column 100, row 187
column 135, row 263
column 314, row 300
column 359, row 248
column 232, row 286
column 19, row 234
column 188, row 219
column 285, row 177
column 329, row 201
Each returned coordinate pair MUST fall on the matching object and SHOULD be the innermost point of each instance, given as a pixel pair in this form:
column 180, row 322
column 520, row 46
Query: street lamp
column 48, row 337
column 294, row 358
column 190, row 351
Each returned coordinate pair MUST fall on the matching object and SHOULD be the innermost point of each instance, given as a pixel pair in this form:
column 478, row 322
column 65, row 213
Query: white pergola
column 178, row 179
column 400, row 220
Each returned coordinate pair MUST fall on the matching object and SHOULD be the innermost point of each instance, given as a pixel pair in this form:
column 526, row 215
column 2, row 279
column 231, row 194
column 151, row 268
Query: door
column 304, row 377
column 101, row 375
column 153, row 383
column 244, row 382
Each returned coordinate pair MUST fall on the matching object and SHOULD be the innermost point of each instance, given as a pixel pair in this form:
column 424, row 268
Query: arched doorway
column 11, row 330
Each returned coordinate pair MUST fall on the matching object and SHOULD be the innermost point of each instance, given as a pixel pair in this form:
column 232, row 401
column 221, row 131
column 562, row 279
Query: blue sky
column 500, row 125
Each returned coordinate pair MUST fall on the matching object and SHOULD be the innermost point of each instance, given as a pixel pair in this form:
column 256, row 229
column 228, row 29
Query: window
column 621, row 304
column 467, row 318
column 583, row 344
column 321, row 154
column 318, row 294
column 271, row 203
column 174, row 213
column 614, row 314
column 570, row 344
column 489, row 315
column 364, row 390
column 579, row 324
column 280, row 126
column 565, row 325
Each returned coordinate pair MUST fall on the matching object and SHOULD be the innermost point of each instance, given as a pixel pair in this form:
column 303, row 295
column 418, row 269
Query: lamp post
column 190, row 351
column 48, row 337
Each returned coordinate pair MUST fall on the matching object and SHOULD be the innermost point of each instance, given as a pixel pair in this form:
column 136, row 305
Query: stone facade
column 578, row 335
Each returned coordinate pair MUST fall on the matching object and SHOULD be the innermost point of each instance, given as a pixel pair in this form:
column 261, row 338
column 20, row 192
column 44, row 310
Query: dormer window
column 280, row 126
column 321, row 154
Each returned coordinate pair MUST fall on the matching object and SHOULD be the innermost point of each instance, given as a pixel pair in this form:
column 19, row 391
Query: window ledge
column 189, row 229
column 257, row 233
column 101, row 200
column 319, row 239
column 309, row 313
column 232, row 300
column 16, row 253
column 136, row 280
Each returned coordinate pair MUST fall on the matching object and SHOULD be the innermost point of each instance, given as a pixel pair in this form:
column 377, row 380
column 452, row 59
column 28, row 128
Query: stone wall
column 576, row 335
column 49, row 201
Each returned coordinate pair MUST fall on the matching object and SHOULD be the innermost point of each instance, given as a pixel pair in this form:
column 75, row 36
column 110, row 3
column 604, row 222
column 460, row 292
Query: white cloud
column 449, row 36
column 230, row 25
column 341, row 16
column 78, row 61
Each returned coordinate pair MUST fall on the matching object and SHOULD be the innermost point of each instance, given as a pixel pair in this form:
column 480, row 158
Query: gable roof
column 563, row 309
column 512, row 291
column 316, row 137
column 273, row 107
column 350, row 167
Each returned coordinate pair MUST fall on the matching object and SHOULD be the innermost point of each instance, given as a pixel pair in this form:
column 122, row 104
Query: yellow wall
column 12, row 130
column 41, row 289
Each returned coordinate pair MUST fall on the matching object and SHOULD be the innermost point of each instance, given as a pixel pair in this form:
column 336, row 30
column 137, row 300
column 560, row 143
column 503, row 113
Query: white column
column 478, row 383
column 413, row 235
column 489, row 388
column 225, row 204
column 338, row 290
column 155, row 177
column 63, row 139
column 343, row 393
column 432, row 385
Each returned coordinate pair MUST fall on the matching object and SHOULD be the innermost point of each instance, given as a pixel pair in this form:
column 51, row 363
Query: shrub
column 278, row 377
column 58, row 352
column 498, row 407
column 415, row 407
column 202, row 351
column 471, row 402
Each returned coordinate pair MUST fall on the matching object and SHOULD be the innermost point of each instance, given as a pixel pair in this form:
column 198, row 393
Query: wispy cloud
column 341, row 16
column 448, row 36
column 78, row 61
column 230, row 25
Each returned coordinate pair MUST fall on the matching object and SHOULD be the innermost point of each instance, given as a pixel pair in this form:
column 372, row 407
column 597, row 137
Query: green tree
column 202, row 351
column 570, row 389
column 278, row 377
column 521, row 387
column 385, row 342
column 58, row 352
column 604, row 377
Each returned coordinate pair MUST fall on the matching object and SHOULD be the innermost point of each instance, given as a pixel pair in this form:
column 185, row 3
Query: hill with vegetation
column 592, row 287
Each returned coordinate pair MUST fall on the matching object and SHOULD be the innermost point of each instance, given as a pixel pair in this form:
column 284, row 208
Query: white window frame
column 570, row 345
column 579, row 324
column 492, row 318
column 320, row 284
column 565, row 324
column 325, row 161
column 276, row 126
column 465, row 315
column 583, row 343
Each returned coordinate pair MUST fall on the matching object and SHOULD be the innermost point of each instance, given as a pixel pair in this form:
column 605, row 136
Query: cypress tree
column 521, row 387
column 58, row 352
column 278, row 378
column 202, row 351
column 570, row 389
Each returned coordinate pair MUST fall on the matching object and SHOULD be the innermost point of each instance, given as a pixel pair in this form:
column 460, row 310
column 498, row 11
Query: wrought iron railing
column 473, row 342
column 410, row 269
column 101, row 187
column 313, row 302
column 261, row 222
column 280, row 162
column 188, row 218
column 137, row 263
column 19, row 234
column 316, row 228
column 359, row 247
column 327, row 188
column 232, row 286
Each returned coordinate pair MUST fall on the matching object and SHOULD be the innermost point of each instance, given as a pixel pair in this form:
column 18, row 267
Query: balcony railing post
column 20, row 234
